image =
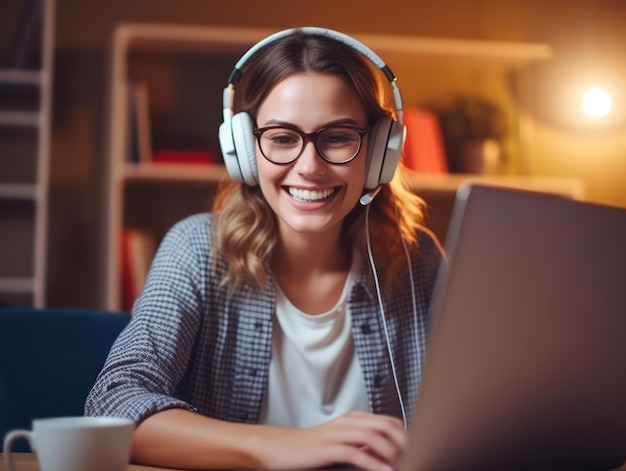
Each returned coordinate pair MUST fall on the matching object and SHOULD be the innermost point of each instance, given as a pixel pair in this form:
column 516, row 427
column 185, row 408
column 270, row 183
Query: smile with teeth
column 311, row 195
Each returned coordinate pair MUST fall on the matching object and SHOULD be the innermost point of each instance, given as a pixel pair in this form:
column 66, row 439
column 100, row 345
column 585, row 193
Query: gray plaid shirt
column 189, row 345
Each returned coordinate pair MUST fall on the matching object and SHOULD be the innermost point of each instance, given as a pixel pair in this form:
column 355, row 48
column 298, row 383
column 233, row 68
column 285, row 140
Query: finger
column 375, row 443
column 384, row 449
column 390, row 427
column 360, row 458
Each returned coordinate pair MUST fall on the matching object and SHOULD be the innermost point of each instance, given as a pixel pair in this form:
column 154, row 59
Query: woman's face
column 311, row 195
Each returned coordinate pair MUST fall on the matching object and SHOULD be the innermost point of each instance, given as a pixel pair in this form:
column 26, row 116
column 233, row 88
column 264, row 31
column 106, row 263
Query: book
column 172, row 156
column 137, row 251
column 139, row 129
column 25, row 49
column 424, row 150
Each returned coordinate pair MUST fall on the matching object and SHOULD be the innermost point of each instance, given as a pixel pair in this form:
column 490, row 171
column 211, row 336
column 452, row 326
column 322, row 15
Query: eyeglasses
column 335, row 144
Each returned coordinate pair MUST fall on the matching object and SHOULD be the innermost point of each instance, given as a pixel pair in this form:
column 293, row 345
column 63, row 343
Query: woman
column 285, row 329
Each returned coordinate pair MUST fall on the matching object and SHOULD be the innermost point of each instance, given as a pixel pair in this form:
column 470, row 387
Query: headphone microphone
column 367, row 198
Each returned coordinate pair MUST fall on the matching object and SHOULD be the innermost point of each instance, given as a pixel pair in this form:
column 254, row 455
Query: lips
column 311, row 195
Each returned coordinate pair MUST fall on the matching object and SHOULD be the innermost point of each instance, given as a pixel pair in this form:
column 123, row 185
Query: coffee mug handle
column 8, row 441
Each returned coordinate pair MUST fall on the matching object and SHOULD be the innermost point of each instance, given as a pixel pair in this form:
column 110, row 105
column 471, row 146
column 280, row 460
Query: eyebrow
column 337, row 122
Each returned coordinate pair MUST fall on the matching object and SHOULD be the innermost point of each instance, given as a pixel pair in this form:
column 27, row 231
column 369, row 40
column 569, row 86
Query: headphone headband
column 329, row 33
column 313, row 30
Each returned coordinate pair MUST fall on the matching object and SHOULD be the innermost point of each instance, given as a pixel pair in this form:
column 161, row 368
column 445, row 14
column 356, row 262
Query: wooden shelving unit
column 128, row 181
column 25, row 144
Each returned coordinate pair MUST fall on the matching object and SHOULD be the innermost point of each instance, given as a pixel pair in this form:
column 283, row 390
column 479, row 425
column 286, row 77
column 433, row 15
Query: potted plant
column 474, row 129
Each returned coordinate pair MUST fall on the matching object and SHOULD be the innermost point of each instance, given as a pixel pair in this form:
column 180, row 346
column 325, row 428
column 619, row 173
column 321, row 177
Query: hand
column 361, row 439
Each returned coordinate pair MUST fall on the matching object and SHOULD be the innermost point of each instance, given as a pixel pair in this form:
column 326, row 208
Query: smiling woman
column 274, row 284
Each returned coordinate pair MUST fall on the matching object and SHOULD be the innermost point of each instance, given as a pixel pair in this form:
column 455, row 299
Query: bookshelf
column 25, row 113
column 149, row 196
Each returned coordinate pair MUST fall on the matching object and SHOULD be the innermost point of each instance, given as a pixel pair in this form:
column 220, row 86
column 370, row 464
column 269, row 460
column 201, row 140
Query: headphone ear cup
column 228, row 148
column 376, row 147
column 384, row 149
column 245, row 147
column 393, row 151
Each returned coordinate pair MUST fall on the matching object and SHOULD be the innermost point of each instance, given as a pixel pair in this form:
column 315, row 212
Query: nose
column 310, row 162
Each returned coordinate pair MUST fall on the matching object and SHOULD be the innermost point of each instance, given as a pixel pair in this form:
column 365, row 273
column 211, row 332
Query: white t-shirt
column 314, row 374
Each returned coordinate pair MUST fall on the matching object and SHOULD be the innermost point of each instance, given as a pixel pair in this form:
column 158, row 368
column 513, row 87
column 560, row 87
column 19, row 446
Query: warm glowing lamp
column 597, row 102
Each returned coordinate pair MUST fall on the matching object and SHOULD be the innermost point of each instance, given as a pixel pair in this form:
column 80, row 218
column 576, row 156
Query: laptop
column 526, row 360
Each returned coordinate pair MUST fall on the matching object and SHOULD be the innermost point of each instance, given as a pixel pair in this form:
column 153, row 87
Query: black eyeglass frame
column 311, row 137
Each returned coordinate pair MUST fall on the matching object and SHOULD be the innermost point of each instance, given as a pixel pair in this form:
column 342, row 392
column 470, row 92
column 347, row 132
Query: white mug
column 77, row 443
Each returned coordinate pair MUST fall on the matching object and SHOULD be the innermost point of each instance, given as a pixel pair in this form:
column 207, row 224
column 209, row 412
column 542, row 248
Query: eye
column 281, row 137
column 339, row 137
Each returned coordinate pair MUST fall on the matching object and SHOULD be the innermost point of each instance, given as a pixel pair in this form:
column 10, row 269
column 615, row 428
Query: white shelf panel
column 17, row 285
column 566, row 186
column 25, row 77
column 174, row 172
column 571, row 187
column 187, row 39
column 20, row 118
column 403, row 48
column 18, row 191
column 216, row 39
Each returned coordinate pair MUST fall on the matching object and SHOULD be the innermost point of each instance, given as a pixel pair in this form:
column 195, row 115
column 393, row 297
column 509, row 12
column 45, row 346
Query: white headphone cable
column 382, row 312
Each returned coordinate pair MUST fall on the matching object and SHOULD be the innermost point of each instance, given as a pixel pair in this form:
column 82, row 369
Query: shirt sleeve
column 149, row 358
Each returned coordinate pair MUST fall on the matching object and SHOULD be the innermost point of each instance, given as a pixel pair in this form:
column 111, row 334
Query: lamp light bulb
column 597, row 102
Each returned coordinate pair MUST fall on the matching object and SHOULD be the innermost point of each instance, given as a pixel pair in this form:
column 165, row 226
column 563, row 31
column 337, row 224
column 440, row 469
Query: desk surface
column 28, row 462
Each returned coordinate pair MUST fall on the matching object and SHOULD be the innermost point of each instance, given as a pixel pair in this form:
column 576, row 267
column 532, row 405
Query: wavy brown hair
column 245, row 229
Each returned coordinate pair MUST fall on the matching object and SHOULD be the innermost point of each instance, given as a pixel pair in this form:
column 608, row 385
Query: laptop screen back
column 526, row 361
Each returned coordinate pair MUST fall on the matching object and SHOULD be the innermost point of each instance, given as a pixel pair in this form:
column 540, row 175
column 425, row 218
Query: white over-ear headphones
column 386, row 137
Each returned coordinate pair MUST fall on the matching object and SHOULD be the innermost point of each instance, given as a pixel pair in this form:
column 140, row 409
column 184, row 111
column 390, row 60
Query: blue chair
column 49, row 360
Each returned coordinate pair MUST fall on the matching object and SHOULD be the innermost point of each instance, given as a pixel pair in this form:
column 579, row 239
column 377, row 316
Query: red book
column 424, row 151
column 184, row 157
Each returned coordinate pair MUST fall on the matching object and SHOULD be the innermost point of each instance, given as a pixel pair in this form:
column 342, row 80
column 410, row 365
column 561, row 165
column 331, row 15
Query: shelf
column 570, row 187
column 25, row 122
column 144, row 37
column 214, row 39
column 174, row 172
column 17, row 285
column 400, row 48
column 20, row 118
column 21, row 77
column 18, row 191
column 146, row 195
